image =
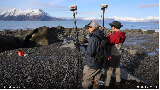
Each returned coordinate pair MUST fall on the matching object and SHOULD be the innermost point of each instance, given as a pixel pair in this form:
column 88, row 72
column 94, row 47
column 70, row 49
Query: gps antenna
column 103, row 6
column 74, row 8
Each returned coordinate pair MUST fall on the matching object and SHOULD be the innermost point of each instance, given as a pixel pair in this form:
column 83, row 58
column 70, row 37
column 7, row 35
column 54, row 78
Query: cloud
column 89, row 1
column 127, row 10
column 47, row 5
column 148, row 5
column 125, row 6
column 95, row 12
column 56, row 1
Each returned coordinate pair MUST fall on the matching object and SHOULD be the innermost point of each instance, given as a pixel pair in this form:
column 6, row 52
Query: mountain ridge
column 127, row 19
column 39, row 15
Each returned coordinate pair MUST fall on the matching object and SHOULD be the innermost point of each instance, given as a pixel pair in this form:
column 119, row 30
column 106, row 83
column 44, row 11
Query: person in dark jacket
column 116, row 40
column 92, row 69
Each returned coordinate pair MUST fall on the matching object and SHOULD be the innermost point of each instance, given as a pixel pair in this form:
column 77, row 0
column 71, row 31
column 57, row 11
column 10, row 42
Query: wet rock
column 127, row 31
column 134, row 52
column 157, row 34
column 67, row 31
column 60, row 27
column 136, row 46
column 150, row 31
column 138, row 31
column 145, row 32
column 52, row 67
column 82, row 39
column 9, row 42
column 44, row 36
column 6, row 32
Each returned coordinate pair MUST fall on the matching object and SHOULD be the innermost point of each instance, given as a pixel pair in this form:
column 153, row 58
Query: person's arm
column 91, row 49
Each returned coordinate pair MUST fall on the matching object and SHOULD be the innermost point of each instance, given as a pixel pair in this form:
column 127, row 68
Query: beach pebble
column 54, row 67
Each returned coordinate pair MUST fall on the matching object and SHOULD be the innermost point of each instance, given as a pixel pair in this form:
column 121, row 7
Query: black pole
column 103, row 6
column 77, row 38
column 75, row 24
column 103, row 16
column 104, row 32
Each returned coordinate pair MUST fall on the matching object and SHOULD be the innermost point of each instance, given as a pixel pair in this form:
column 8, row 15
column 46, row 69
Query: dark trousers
column 113, row 64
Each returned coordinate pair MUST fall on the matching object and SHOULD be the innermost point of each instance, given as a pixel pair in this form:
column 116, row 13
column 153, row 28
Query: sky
column 88, row 8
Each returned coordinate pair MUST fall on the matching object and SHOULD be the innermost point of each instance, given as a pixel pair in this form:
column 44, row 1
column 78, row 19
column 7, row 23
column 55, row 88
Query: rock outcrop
column 44, row 36
column 9, row 42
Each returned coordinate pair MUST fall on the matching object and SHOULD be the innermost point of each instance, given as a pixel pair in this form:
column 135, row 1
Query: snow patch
column 127, row 19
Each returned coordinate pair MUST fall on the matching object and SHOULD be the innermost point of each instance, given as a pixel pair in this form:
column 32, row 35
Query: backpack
column 102, row 56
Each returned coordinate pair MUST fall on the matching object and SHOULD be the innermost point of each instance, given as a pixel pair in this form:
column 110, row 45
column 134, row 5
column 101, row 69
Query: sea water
column 13, row 25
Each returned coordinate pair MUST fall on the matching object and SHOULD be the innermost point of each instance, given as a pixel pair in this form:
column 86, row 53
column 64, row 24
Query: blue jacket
column 92, row 50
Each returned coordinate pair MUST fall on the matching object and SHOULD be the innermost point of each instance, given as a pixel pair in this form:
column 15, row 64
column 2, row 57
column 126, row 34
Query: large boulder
column 60, row 27
column 127, row 31
column 150, row 31
column 145, row 32
column 134, row 52
column 67, row 31
column 44, row 36
column 82, row 39
column 138, row 31
column 9, row 42
column 83, row 31
column 136, row 49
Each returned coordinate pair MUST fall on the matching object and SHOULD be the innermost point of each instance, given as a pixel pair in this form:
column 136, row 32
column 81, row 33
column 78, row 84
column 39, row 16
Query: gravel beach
column 53, row 66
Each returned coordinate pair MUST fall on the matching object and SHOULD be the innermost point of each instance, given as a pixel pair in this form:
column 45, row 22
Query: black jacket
column 92, row 50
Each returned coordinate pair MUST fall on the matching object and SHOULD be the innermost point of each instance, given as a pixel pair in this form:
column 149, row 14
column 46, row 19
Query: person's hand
column 77, row 44
column 109, row 57
column 102, row 27
column 109, row 33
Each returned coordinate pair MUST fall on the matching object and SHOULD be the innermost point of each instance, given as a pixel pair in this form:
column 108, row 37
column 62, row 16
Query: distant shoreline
column 24, row 25
column 64, row 27
column 87, row 20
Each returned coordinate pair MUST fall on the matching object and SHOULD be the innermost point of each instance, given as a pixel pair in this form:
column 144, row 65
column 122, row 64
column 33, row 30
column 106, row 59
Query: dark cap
column 116, row 24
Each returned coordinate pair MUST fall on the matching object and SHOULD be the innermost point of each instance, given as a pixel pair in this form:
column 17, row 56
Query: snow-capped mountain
column 27, row 15
column 28, row 12
column 127, row 19
column 39, row 15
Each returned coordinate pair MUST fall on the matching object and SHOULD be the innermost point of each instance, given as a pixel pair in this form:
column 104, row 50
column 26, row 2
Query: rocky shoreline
column 55, row 65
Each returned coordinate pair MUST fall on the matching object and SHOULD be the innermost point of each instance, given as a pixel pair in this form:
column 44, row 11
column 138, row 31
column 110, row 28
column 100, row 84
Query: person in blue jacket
column 92, row 69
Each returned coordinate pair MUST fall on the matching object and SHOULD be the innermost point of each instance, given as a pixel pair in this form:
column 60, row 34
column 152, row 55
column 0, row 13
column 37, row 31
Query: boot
column 106, row 87
column 117, row 84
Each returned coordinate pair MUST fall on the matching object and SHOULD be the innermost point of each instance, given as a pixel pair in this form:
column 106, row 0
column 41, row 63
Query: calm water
column 13, row 25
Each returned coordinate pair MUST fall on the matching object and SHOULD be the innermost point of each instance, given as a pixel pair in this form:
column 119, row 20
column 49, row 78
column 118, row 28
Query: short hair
column 116, row 27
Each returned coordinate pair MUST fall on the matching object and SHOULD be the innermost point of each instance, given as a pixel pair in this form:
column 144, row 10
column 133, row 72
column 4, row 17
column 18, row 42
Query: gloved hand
column 77, row 44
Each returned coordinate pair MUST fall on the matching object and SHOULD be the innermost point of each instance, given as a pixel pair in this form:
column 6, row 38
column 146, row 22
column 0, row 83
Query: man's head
column 115, row 25
column 93, row 26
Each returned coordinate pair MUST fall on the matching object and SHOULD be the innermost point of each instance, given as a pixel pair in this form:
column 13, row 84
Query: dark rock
column 137, row 31
column 150, row 31
column 44, row 36
column 9, row 42
column 7, row 31
column 82, row 39
column 60, row 27
column 50, row 66
column 127, row 31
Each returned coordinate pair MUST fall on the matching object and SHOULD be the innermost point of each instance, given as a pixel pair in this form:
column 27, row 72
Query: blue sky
column 88, row 8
